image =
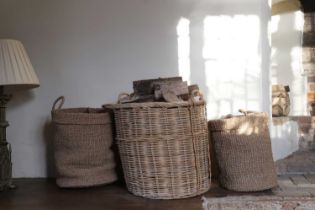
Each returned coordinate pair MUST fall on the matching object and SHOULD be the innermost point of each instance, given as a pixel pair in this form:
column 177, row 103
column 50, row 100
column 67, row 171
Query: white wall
column 90, row 51
column 286, row 59
column 287, row 69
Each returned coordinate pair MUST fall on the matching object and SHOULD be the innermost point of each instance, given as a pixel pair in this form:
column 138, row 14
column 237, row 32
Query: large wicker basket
column 243, row 151
column 82, row 146
column 164, row 148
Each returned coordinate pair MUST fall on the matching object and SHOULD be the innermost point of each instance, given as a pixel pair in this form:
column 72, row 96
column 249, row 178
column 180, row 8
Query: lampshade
column 16, row 70
column 284, row 6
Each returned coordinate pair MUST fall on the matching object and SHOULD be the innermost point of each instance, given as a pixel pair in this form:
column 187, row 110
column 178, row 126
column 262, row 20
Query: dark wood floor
column 43, row 194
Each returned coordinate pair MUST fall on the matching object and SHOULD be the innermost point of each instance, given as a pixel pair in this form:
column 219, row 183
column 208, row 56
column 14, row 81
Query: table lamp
column 16, row 73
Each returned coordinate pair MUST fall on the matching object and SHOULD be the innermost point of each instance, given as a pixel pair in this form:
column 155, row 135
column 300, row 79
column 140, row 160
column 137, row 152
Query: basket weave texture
column 243, row 152
column 82, row 141
column 164, row 148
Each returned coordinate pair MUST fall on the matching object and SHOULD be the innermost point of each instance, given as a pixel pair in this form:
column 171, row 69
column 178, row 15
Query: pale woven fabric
column 82, row 147
column 164, row 148
column 243, row 151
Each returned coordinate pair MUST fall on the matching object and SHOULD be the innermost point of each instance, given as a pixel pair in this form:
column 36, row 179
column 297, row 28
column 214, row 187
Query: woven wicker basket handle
column 122, row 96
column 246, row 112
column 60, row 100
column 195, row 93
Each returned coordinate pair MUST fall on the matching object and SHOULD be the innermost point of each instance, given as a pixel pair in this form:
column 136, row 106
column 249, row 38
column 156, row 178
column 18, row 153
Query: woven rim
column 154, row 105
column 233, row 122
column 81, row 116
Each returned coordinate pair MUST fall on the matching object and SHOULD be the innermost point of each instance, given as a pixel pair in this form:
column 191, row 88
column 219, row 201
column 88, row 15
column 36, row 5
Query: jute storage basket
column 164, row 148
column 82, row 146
column 243, row 151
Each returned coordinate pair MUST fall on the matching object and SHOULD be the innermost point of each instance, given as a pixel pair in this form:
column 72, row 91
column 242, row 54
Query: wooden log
column 170, row 96
column 136, row 99
column 179, row 89
column 147, row 87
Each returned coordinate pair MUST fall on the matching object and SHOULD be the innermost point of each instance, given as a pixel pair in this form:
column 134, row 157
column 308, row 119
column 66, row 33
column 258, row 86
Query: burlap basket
column 82, row 146
column 243, row 152
column 164, row 148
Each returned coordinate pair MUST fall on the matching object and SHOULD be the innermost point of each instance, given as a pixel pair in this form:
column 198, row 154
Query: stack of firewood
column 172, row 89
column 280, row 100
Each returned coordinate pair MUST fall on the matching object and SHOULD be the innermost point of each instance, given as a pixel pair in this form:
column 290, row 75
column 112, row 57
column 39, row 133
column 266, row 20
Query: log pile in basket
column 280, row 100
column 172, row 89
column 163, row 142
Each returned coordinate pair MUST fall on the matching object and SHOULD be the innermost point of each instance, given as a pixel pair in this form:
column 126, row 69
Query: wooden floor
column 42, row 194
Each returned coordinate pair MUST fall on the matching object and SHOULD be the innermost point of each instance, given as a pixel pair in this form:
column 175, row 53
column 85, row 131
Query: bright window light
column 232, row 63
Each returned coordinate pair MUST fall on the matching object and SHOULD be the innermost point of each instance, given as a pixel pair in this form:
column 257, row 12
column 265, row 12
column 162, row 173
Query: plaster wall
column 90, row 51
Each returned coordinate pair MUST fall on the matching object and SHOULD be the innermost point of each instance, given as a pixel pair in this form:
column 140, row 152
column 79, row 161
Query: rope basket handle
column 246, row 112
column 196, row 93
column 243, row 111
column 60, row 100
column 121, row 96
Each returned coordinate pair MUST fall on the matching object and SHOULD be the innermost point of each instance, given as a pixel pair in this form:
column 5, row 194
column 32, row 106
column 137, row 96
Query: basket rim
column 74, row 116
column 154, row 104
column 225, row 119
column 68, row 110
column 232, row 123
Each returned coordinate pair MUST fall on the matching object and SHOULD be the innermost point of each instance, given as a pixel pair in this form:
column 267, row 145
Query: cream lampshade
column 16, row 73
column 284, row 6
column 16, row 70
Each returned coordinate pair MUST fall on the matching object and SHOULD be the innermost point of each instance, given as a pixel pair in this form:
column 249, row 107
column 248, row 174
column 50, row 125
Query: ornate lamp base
column 5, row 168
column 5, row 149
